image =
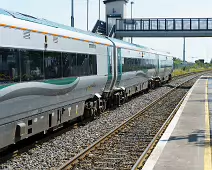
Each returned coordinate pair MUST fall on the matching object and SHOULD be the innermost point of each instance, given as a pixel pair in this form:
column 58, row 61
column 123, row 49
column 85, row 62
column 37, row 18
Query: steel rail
column 69, row 164
column 147, row 152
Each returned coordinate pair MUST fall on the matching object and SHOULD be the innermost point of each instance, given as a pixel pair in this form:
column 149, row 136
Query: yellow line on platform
column 207, row 156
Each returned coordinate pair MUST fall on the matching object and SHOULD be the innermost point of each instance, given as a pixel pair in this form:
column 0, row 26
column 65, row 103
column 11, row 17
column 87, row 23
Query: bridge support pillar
column 184, row 47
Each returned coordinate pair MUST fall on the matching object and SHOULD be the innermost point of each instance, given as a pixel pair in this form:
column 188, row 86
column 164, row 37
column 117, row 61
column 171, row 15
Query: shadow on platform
column 202, row 101
column 197, row 137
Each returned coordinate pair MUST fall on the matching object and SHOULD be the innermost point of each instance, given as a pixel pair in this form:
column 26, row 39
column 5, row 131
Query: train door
column 113, row 53
column 119, row 67
column 157, row 64
column 110, row 68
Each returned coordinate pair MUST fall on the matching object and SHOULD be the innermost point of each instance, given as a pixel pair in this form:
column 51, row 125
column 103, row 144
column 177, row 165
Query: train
column 51, row 74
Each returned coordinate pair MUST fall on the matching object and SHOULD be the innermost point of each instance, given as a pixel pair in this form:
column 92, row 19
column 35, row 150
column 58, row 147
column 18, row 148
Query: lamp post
column 99, row 9
column 87, row 12
column 131, row 8
column 72, row 13
column 131, row 16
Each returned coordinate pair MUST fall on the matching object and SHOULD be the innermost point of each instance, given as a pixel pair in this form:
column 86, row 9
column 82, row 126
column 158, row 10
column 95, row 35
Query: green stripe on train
column 4, row 86
column 64, row 81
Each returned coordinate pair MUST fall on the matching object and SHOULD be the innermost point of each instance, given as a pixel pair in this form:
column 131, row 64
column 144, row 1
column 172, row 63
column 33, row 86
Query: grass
column 179, row 72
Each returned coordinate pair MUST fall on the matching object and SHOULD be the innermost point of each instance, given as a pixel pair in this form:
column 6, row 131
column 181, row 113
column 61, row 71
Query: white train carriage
column 51, row 73
column 138, row 67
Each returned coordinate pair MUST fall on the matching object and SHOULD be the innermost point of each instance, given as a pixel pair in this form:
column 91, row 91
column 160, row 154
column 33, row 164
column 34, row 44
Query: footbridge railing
column 164, row 27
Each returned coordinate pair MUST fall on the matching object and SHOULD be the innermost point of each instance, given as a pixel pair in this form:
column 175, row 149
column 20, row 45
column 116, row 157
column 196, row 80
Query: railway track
column 145, row 155
column 121, row 147
column 14, row 159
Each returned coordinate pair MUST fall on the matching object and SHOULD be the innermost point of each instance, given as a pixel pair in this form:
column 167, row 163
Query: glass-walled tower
column 115, row 9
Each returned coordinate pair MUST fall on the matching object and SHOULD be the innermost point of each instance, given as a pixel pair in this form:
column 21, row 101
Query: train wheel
column 159, row 83
column 92, row 114
column 125, row 97
column 153, row 85
column 170, row 78
column 80, row 118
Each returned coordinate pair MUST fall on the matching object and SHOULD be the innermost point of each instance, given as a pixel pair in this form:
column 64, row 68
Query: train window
column 119, row 61
column 9, row 66
column 150, row 66
column 79, row 64
column 52, row 65
column 163, row 63
column 31, row 65
column 69, row 64
column 83, row 65
column 147, row 63
column 141, row 63
column 135, row 64
column 144, row 64
column 92, row 64
column 124, row 65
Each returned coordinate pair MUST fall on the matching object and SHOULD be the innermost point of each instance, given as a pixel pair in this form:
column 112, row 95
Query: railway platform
column 186, row 144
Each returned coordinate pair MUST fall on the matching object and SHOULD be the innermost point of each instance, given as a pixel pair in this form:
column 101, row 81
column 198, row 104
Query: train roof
column 43, row 25
column 125, row 44
column 46, row 22
column 31, row 22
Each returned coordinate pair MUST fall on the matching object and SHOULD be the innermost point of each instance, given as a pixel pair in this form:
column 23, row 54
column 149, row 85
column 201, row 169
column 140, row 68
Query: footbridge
column 164, row 27
column 119, row 26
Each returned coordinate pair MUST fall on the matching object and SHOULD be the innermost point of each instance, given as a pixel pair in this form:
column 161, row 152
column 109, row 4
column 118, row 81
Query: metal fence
column 164, row 24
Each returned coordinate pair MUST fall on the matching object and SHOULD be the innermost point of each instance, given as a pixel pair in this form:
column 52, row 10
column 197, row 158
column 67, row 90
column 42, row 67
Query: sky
column 60, row 11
